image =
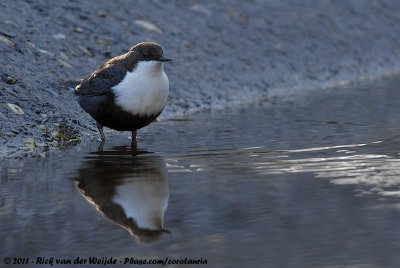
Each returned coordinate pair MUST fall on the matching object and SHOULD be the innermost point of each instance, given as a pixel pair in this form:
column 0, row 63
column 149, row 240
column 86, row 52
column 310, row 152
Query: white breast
column 144, row 91
column 144, row 200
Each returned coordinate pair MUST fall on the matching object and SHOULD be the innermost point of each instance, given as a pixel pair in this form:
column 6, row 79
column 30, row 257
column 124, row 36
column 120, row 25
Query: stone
column 64, row 64
column 6, row 41
column 57, row 135
column 8, row 79
column 85, row 50
column 45, row 52
column 59, row 36
column 30, row 144
column 78, row 30
column 200, row 9
column 15, row 108
column 101, row 13
column 148, row 26
column 64, row 56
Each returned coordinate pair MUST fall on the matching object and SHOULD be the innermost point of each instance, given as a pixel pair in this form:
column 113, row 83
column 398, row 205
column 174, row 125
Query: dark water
column 301, row 181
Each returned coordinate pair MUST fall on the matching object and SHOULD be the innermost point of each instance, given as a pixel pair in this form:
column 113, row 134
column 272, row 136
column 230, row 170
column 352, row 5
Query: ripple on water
column 310, row 181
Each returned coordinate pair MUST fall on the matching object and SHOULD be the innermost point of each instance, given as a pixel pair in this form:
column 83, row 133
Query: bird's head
column 149, row 51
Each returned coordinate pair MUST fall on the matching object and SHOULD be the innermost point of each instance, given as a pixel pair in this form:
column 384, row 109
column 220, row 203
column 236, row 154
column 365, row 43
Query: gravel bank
column 224, row 52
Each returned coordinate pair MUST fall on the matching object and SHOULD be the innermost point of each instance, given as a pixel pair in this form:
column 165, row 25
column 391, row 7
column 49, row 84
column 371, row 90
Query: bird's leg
column 101, row 145
column 100, row 128
column 134, row 132
column 134, row 146
column 133, row 141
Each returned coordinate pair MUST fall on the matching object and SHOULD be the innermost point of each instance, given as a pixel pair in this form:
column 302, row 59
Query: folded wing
column 101, row 81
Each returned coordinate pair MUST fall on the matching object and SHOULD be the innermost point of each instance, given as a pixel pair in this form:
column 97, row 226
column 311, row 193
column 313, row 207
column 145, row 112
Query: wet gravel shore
column 224, row 52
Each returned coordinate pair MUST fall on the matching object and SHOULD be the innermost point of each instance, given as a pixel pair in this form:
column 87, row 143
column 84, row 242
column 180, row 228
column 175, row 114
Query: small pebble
column 45, row 52
column 57, row 135
column 8, row 79
column 30, row 44
column 30, row 144
column 78, row 30
column 64, row 56
column 146, row 25
column 59, row 36
column 6, row 41
column 85, row 50
column 10, row 134
column 200, row 9
column 64, row 64
column 15, row 108
column 101, row 14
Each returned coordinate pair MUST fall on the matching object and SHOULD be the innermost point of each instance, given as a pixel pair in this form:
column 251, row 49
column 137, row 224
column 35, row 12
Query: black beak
column 164, row 59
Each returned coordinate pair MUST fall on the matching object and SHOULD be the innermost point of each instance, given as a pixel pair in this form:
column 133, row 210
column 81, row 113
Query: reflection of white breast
column 143, row 91
column 144, row 200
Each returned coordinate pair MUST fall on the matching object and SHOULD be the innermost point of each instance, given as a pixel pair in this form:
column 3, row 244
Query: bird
column 128, row 187
column 127, row 92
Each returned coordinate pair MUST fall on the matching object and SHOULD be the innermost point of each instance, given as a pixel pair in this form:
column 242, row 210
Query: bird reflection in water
column 129, row 187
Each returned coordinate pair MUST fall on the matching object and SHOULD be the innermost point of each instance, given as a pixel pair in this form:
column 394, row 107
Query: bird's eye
column 145, row 54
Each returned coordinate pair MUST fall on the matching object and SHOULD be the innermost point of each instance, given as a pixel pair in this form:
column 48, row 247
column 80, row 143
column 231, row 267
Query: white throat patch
column 144, row 91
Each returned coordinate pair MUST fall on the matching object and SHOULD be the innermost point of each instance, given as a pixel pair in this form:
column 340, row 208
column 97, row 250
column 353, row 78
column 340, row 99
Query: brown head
column 144, row 51
column 148, row 51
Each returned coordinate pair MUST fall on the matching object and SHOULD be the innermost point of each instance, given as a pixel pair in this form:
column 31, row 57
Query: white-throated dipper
column 127, row 92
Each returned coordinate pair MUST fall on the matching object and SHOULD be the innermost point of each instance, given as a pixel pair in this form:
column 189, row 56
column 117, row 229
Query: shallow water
column 299, row 181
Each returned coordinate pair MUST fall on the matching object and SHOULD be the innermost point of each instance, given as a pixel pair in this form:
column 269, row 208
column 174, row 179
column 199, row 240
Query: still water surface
column 298, row 181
